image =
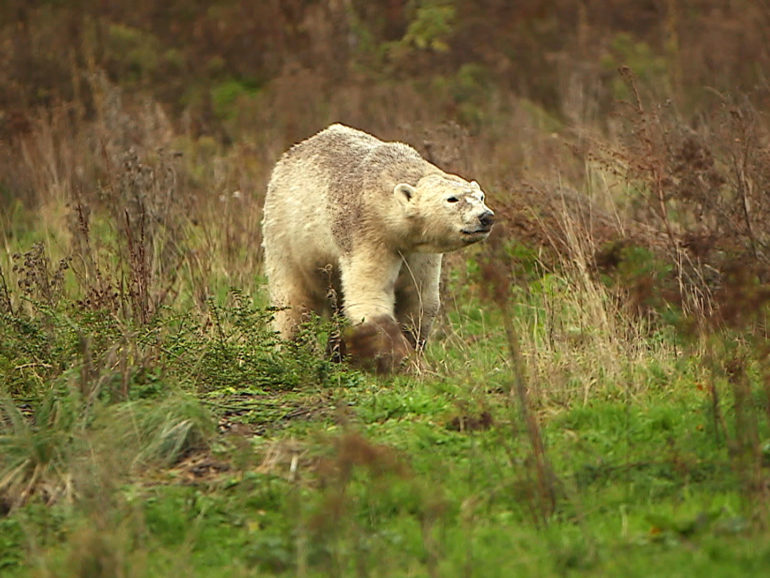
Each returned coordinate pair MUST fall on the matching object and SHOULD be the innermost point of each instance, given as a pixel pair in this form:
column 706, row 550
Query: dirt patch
column 468, row 422
column 260, row 414
column 200, row 467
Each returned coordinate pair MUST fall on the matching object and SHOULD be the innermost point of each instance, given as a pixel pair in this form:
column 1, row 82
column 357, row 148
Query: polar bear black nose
column 486, row 219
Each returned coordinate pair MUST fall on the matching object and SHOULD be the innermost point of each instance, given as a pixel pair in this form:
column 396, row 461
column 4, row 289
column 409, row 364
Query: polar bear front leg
column 417, row 295
column 368, row 283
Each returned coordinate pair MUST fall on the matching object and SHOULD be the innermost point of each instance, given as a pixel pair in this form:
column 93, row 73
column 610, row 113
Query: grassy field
column 595, row 399
column 191, row 445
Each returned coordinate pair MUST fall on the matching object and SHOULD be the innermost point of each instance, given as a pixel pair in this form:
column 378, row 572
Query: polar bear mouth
column 479, row 231
column 473, row 235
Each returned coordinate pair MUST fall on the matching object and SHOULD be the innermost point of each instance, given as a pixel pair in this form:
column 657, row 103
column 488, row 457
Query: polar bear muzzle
column 485, row 222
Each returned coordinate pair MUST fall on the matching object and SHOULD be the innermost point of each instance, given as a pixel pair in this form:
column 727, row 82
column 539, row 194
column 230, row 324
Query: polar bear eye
column 452, row 199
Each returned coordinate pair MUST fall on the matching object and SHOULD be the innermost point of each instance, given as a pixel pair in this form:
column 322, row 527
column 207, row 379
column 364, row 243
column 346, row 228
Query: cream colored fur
column 369, row 218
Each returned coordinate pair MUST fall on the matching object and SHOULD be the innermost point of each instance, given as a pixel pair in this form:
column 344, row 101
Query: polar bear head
column 445, row 213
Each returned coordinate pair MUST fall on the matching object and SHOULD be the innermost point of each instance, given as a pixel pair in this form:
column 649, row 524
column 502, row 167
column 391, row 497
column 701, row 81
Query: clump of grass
column 161, row 431
column 35, row 459
column 46, row 448
column 234, row 350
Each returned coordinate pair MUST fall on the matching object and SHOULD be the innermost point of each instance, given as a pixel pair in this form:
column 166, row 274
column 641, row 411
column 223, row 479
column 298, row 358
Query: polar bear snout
column 487, row 219
column 480, row 226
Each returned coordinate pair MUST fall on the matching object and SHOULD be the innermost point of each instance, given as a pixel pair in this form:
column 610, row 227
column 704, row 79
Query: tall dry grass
column 137, row 209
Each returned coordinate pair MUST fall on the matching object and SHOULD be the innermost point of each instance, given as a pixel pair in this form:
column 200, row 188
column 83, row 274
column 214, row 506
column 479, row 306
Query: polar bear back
column 336, row 186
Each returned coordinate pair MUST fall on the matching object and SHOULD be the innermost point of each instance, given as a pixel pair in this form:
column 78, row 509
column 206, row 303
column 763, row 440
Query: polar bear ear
column 404, row 193
column 475, row 185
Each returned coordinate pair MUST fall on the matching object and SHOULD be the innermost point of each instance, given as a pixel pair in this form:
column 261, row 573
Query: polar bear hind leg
column 294, row 301
column 417, row 296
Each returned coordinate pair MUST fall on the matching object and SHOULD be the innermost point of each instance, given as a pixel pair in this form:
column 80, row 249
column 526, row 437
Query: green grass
column 443, row 500
column 317, row 470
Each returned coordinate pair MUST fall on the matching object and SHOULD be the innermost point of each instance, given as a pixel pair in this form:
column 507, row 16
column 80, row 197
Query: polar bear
column 371, row 220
